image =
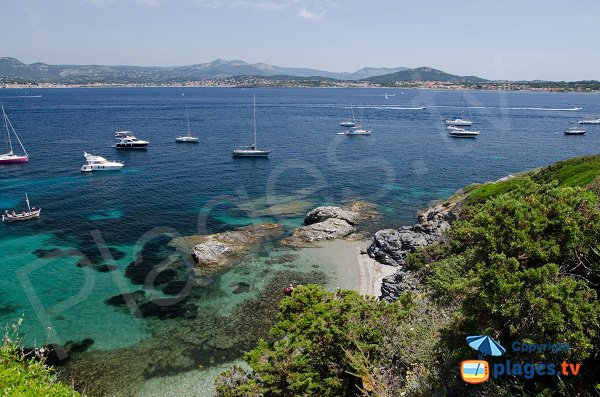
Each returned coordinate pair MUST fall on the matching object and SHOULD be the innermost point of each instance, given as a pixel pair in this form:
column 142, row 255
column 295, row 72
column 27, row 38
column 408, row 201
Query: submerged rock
column 217, row 252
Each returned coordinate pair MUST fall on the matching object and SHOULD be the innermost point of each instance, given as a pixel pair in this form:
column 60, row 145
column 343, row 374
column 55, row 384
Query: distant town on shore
column 237, row 73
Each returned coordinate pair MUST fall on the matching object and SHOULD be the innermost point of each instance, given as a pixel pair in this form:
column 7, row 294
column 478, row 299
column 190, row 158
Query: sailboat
column 348, row 123
column 187, row 138
column 575, row 130
column 460, row 121
column 359, row 130
column 11, row 157
column 32, row 213
column 252, row 150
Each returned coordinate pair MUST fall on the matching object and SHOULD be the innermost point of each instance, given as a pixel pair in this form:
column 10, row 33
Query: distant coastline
column 267, row 83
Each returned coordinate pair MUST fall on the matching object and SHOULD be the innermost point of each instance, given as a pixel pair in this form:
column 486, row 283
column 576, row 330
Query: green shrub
column 27, row 375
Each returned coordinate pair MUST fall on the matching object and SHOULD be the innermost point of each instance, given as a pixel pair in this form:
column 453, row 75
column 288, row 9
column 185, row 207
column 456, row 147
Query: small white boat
column 574, row 131
column 388, row 96
column 11, row 157
column 590, row 122
column 459, row 122
column 357, row 131
column 252, row 150
column 31, row 213
column 97, row 163
column 461, row 132
column 126, row 140
column 187, row 138
column 348, row 123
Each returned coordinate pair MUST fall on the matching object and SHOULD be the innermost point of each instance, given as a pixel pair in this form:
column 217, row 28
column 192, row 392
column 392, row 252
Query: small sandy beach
column 348, row 268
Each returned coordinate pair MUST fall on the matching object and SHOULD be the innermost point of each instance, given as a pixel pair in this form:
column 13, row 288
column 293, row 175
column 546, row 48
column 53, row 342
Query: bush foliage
column 521, row 264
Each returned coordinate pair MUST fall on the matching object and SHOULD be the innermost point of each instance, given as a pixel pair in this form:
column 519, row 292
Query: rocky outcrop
column 329, row 229
column 216, row 252
column 321, row 214
column 391, row 246
column 330, row 222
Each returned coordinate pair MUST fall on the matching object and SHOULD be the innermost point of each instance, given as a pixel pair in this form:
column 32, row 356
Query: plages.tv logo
column 479, row 371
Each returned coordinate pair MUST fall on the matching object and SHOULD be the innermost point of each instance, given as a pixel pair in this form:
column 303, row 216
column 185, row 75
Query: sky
column 515, row 40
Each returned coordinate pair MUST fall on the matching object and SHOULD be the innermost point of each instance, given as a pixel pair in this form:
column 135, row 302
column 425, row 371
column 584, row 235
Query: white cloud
column 105, row 3
column 314, row 16
column 300, row 7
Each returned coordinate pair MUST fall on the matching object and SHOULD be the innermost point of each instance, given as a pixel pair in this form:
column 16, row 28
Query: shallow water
column 59, row 271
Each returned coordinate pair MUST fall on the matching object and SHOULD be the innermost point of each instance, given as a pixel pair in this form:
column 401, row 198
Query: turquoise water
column 102, row 235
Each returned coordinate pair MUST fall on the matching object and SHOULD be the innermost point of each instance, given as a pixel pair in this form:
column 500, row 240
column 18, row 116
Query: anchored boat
column 126, row 140
column 11, row 157
column 252, row 150
column 31, row 213
column 97, row 163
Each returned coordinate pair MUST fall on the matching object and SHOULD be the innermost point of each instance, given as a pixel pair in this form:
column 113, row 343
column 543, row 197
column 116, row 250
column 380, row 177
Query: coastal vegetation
column 521, row 264
column 25, row 374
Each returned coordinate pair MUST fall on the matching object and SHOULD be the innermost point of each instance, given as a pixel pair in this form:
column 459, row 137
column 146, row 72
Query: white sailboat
column 31, row 213
column 575, row 130
column 252, row 150
column 187, row 138
column 461, row 121
column 11, row 157
column 358, row 129
column 349, row 123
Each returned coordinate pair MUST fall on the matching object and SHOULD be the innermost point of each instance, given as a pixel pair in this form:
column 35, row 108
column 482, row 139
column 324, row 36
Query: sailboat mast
column 5, row 117
column 14, row 132
column 255, row 121
column 27, row 199
column 187, row 113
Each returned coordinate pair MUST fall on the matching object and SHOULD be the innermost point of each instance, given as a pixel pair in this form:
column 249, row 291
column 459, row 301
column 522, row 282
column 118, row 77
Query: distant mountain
column 12, row 69
column 425, row 74
column 365, row 73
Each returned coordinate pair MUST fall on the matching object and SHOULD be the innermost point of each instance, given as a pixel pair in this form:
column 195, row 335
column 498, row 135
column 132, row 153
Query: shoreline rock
column 391, row 246
column 330, row 222
column 219, row 251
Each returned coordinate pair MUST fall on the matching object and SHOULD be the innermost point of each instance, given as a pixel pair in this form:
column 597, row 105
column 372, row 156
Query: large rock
column 391, row 246
column 219, row 251
column 353, row 213
column 321, row 214
column 329, row 229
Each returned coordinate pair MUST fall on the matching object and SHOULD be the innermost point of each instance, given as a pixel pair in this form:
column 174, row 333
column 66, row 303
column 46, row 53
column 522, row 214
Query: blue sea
column 99, row 234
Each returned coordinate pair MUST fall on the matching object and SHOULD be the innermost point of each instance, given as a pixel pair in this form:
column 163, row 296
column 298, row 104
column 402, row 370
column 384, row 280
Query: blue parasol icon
column 485, row 345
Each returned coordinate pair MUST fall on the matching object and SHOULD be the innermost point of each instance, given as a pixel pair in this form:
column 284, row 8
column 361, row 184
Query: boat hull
column 21, row 217
column 13, row 159
column 131, row 146
column 186, row 140
column 251, row 153
column 459, row 123
column 86, row 168
column 590, row 122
